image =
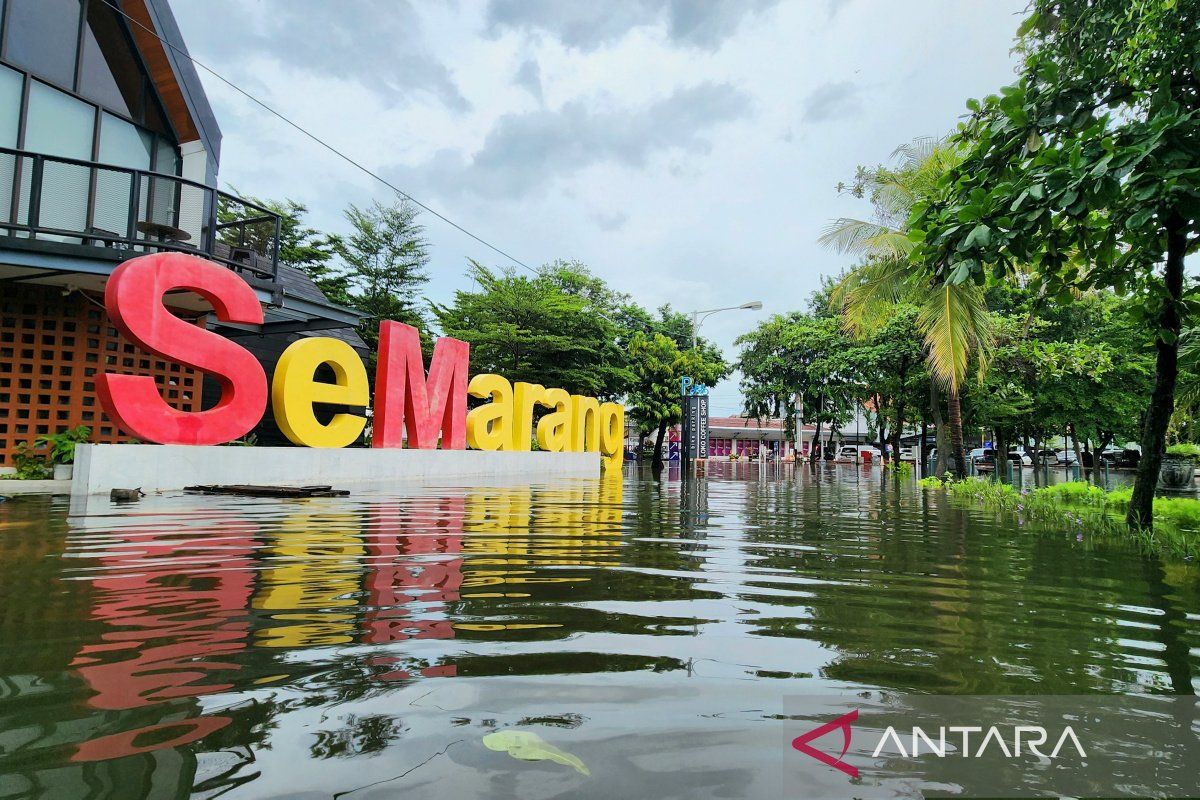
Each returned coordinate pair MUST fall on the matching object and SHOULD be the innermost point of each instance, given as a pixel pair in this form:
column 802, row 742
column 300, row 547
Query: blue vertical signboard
column 695, row 419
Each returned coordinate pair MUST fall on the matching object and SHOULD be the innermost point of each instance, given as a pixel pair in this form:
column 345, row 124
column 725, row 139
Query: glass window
column 10, row 105
column 58, row 124
column 42, row 36
column 124, row 144
column 153, row 118
column 168, row 158
column 111, row 74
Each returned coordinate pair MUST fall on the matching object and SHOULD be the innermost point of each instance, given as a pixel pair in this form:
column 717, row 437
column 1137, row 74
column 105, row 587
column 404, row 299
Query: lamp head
column 752, row 306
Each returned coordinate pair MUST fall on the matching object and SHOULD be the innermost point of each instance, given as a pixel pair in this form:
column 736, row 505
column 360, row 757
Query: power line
column 318, row 140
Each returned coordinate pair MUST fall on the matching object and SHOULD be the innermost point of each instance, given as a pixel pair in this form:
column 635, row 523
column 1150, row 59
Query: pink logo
column 801, row 743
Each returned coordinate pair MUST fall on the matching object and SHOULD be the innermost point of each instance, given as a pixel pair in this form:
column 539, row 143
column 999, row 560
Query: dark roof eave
column 189, row 80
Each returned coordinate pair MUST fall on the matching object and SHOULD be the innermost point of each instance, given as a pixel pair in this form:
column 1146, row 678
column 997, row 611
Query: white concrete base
column 11, row 488
column 100, row 468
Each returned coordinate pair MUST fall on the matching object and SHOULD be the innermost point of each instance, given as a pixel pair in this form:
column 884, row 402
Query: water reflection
column 201, row 645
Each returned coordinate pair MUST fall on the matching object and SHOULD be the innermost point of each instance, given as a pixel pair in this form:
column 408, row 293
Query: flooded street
column 638, row 636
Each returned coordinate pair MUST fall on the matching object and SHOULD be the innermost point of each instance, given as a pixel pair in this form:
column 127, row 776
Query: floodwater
column 645, row 633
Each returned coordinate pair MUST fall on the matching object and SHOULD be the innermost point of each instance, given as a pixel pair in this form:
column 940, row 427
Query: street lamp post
column 700, row 316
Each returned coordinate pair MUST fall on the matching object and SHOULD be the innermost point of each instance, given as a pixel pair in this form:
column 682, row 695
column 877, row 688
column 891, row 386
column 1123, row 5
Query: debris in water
column 247, row 490
column 531, row 747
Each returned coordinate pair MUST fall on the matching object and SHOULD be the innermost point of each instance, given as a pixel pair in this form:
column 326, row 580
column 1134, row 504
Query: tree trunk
column 1000, row 445
column 1032, row 453
column 817, row 452
column 898, row 433
column 1097, row 461
column 1078, row 452
column 940, row 434
column 1039, row 445
column 817, row 433
column 954, row 411
column 923, row 450
column 1166, row 373
column 658, row 445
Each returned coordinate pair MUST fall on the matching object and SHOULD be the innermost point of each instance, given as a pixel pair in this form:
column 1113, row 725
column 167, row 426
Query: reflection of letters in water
column 369, row 575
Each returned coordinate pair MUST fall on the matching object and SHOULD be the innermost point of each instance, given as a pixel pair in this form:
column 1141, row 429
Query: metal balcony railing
column 65, row 200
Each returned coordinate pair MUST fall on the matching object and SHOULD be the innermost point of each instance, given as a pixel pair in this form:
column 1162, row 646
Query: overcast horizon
column 686, row 152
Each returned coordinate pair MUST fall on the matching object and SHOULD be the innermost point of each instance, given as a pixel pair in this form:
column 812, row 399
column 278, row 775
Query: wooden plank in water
column 248, row 490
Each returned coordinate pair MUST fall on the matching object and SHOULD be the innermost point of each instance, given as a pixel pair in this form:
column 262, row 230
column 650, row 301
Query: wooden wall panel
column 51, row 348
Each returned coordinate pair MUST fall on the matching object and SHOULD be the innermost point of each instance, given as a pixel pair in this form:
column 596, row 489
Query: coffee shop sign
column 411, row 407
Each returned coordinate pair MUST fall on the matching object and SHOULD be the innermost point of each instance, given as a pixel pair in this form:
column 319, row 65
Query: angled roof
column 173, row 73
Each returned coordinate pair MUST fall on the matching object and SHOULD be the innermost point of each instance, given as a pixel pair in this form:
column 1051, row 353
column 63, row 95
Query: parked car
column 1018, row 456
column 984, row 458
column 1065, row 457
column 854, row 452
column 1121, row 458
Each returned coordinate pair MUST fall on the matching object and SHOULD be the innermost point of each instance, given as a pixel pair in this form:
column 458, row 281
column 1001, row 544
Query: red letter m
column 405, row 400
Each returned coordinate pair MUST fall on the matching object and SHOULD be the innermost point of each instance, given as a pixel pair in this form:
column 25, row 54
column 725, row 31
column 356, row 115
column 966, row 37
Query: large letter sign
column 134, row 299
column 294, row 390
column 405, row 400
column 411, row 409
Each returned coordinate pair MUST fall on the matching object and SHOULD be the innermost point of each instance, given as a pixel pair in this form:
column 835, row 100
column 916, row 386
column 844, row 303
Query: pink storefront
column 747, row 436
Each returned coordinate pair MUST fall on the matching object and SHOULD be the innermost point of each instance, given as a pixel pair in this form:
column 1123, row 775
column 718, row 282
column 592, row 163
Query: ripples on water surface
column 648, row 630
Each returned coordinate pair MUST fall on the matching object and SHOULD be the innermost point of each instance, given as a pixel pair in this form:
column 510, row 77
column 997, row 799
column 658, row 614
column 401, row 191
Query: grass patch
column 1081, row 506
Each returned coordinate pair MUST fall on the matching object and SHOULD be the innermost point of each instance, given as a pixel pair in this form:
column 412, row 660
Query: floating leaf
column 530, row 747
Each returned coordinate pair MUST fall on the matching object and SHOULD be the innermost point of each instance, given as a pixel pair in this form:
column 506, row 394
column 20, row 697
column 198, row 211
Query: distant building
column 109, row 150
column 746, row 436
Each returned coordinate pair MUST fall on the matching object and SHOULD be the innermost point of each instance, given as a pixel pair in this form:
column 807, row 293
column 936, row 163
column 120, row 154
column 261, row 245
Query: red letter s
column 134, row 299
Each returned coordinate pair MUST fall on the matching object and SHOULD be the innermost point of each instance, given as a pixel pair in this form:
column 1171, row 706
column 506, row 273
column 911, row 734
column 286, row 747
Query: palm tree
column 952, row 316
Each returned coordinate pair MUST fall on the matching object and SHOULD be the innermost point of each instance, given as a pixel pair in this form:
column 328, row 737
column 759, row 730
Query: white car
column 851, row 452
column 1018, row 454
column 1065, row 456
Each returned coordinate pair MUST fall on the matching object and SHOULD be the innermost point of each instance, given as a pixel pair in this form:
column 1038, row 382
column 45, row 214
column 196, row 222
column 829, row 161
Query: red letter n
column 405, row 400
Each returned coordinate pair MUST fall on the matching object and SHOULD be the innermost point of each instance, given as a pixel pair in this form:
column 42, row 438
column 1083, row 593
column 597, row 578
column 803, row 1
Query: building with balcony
column 109, row 150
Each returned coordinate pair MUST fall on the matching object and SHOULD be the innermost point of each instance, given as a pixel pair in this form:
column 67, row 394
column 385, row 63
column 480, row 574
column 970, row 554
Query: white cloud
column 688, row 152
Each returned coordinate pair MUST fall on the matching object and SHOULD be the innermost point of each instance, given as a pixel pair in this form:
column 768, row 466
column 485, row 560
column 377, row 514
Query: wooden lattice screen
column 51, row 347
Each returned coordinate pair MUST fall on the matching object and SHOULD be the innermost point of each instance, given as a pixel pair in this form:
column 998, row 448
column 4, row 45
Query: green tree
column 952, row 317
column 887, row 366
column 794, row 360
column 300, row 247
column 655, row 399
column 1087, row 169
column 384, row 260
column 554, row 328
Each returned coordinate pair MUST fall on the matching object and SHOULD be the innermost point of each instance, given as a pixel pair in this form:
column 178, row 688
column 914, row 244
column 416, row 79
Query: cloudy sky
column 688, row 151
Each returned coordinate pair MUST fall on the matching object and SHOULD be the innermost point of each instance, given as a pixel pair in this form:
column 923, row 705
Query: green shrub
column 31, row 465
column 1184, row 450
column 62, row 444
column 1082, row 507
